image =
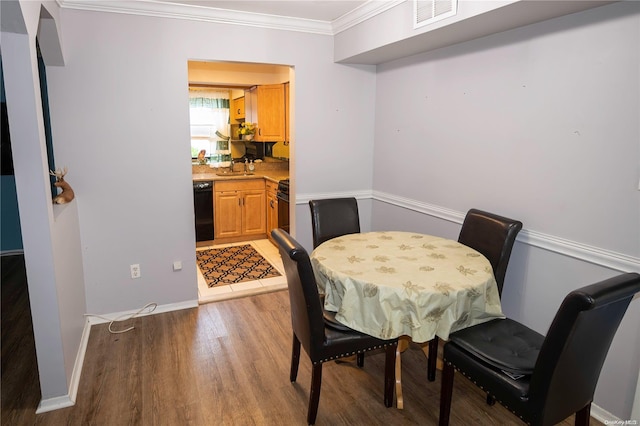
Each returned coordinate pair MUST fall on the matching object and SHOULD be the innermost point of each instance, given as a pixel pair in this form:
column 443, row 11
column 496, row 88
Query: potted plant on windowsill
column 246, row 131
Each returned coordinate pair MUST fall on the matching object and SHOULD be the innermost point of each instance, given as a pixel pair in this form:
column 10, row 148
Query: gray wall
column 120, row 120
column 536, row 123
column 50, row 234
column 539, row 124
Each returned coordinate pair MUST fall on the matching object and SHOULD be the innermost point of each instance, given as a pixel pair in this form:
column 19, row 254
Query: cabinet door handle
column 271, row 203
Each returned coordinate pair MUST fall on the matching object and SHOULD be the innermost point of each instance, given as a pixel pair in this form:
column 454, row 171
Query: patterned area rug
column 232, row 265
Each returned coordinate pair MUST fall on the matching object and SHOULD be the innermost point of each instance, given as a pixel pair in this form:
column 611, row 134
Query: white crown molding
column 198, row 13
column 367, row 11
column 594, row 255
column 160, row 9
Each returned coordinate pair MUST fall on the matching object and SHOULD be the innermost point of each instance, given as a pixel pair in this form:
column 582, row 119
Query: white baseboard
column 101, row 319
column 11, row 252
column 56, row 403
column 68, row 400
column 77, row 368
column 64, row 401
column 603, row 416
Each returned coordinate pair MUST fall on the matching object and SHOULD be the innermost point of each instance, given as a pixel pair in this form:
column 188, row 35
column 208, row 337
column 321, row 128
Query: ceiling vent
column 429, row 11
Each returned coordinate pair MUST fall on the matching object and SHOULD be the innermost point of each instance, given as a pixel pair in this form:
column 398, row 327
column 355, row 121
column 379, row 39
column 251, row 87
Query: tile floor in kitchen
column 248, row 288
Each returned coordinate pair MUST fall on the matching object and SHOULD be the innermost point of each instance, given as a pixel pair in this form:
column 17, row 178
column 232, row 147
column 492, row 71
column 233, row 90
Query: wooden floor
column 20, row 386
column 224, row 363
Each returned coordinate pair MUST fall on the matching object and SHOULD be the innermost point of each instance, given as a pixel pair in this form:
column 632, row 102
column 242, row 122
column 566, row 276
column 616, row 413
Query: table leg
column 425, row 350
column 403, row 344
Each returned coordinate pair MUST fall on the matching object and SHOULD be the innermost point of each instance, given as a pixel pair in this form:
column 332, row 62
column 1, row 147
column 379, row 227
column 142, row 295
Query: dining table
column 407, row 285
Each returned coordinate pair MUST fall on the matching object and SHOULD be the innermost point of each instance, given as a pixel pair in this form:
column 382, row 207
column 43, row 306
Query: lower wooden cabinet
column 239, row 208
column 272, row 208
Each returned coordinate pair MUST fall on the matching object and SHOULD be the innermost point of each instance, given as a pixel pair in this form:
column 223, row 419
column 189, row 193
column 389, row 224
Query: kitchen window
column 209, row 120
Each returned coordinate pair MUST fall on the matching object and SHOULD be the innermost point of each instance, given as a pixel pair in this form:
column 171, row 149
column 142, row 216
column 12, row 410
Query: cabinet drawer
column 272, row 186
column 239, row 185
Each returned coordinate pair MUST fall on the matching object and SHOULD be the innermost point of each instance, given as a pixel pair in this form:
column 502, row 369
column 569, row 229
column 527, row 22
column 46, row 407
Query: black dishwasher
column 203, row 206
column 283, row 204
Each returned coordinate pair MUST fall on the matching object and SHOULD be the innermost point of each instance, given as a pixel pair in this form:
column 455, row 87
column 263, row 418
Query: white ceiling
column 319, row 10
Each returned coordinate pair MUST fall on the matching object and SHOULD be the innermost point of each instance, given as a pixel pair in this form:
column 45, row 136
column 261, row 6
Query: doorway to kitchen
column 248, row 143
column 273, row 282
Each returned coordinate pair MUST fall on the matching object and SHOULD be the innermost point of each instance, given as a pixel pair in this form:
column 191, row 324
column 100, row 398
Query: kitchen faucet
column 231, row 165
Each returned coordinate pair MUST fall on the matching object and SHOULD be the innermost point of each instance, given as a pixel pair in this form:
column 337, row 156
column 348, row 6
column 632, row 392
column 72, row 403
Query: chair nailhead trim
column 349, row 354
column 493, row 396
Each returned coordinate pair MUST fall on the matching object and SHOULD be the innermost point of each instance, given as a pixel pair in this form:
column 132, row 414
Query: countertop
column 272, row 175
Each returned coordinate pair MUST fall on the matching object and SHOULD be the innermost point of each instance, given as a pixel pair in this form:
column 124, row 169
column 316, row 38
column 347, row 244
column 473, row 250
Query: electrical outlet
column 135, row 271
column 177, row 265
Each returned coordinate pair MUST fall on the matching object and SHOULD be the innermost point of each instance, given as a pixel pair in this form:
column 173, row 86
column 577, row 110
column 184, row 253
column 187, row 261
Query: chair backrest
column 333, row 217
column 573, row 352
column 493, row 236
column 306, row 310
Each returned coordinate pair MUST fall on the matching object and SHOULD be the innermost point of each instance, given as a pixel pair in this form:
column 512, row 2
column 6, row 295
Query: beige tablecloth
column 390, row 284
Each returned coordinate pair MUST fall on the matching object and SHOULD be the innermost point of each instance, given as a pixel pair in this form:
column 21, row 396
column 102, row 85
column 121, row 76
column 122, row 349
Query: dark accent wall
column 44, row 94
column 10, row 235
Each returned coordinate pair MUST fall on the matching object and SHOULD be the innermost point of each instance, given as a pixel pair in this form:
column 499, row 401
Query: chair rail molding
column 304, row 199
column 595, row 255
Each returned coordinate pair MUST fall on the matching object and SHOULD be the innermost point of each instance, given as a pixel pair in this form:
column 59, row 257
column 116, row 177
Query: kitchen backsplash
column 267, row 164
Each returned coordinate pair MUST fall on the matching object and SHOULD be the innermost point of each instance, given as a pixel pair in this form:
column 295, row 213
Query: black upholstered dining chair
column 322, row 338
column 493, row 236
column 333, row 217
column 542, row 380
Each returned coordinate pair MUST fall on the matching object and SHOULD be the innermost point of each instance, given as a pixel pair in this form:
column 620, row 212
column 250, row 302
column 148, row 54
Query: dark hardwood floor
column 224, row 363
column 20, row 384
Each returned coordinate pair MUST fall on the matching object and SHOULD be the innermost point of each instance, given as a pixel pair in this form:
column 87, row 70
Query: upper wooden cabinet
column 237, row 109
column 265, row 105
